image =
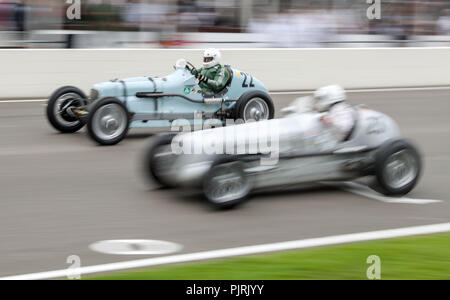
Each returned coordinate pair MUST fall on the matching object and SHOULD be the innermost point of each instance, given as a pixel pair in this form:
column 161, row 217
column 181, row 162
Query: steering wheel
column 190, row 67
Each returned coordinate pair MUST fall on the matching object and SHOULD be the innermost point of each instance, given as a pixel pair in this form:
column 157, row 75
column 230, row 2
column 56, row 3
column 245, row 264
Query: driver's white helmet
column 327, row 96
column 211, row 58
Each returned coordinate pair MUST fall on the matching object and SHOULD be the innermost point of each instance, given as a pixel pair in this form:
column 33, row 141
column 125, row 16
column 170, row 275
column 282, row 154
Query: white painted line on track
column 362, row 190
column 249, row 250
column 23, row 101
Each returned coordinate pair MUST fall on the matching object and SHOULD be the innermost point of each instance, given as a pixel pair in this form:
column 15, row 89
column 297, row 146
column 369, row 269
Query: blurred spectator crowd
column 252, row 23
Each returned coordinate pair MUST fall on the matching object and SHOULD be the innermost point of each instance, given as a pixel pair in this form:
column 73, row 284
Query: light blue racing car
column 147, row 102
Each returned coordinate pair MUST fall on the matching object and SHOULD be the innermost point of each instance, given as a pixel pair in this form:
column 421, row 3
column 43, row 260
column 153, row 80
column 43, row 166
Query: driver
column 213, row 77
column 337, row 114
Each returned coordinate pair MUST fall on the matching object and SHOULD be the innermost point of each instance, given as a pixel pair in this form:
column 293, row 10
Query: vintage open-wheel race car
column 147, row 102
column 302, row 151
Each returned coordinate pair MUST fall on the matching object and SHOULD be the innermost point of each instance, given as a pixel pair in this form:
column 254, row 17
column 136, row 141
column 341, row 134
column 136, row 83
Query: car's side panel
column 372, row 129
column 160, row 111
column 306, row 169
column 150, row 124
column 313, row 154
column 243, row 82
column 181, row 82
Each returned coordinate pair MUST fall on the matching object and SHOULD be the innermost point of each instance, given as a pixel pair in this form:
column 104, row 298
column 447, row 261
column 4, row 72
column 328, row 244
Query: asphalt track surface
column 60, row 193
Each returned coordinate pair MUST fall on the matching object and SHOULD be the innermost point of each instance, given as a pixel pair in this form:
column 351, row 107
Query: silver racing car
column 228, row 163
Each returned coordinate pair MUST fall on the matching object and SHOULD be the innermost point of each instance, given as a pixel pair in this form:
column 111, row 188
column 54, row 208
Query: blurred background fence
column 222, row 23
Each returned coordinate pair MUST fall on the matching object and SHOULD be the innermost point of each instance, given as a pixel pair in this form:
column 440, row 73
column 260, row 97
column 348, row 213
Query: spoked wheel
column 226, row 185
column 254, row 106
column 61, row 109
column 159, row 159
column 108, row 122
column 398, row 168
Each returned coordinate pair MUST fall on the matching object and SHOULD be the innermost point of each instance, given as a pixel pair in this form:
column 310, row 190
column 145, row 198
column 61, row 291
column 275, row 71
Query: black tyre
column 226, row 185
column 397, row 168
column 254, row 105
column 108, row 121
column 158, row 158
column 59, row 108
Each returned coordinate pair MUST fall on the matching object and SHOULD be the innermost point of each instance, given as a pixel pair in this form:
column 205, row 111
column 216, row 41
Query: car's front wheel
column 397, row 168
column 226, row 185
column 108, row 121
column 159, row 159
column 61, row 108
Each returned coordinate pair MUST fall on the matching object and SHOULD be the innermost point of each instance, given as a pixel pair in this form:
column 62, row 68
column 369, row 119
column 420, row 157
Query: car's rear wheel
column 226, row 185
column 108, row 121
column 254, row 106
column 397, row 168
column 158, row 159
column 60, row 109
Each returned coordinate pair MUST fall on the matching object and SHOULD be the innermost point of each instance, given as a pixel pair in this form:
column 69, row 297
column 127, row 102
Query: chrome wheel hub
column 109, row 121
column 401, row 169
column 256, row 109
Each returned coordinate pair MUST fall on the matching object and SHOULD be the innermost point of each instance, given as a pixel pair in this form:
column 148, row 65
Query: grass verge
column 421, row 257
